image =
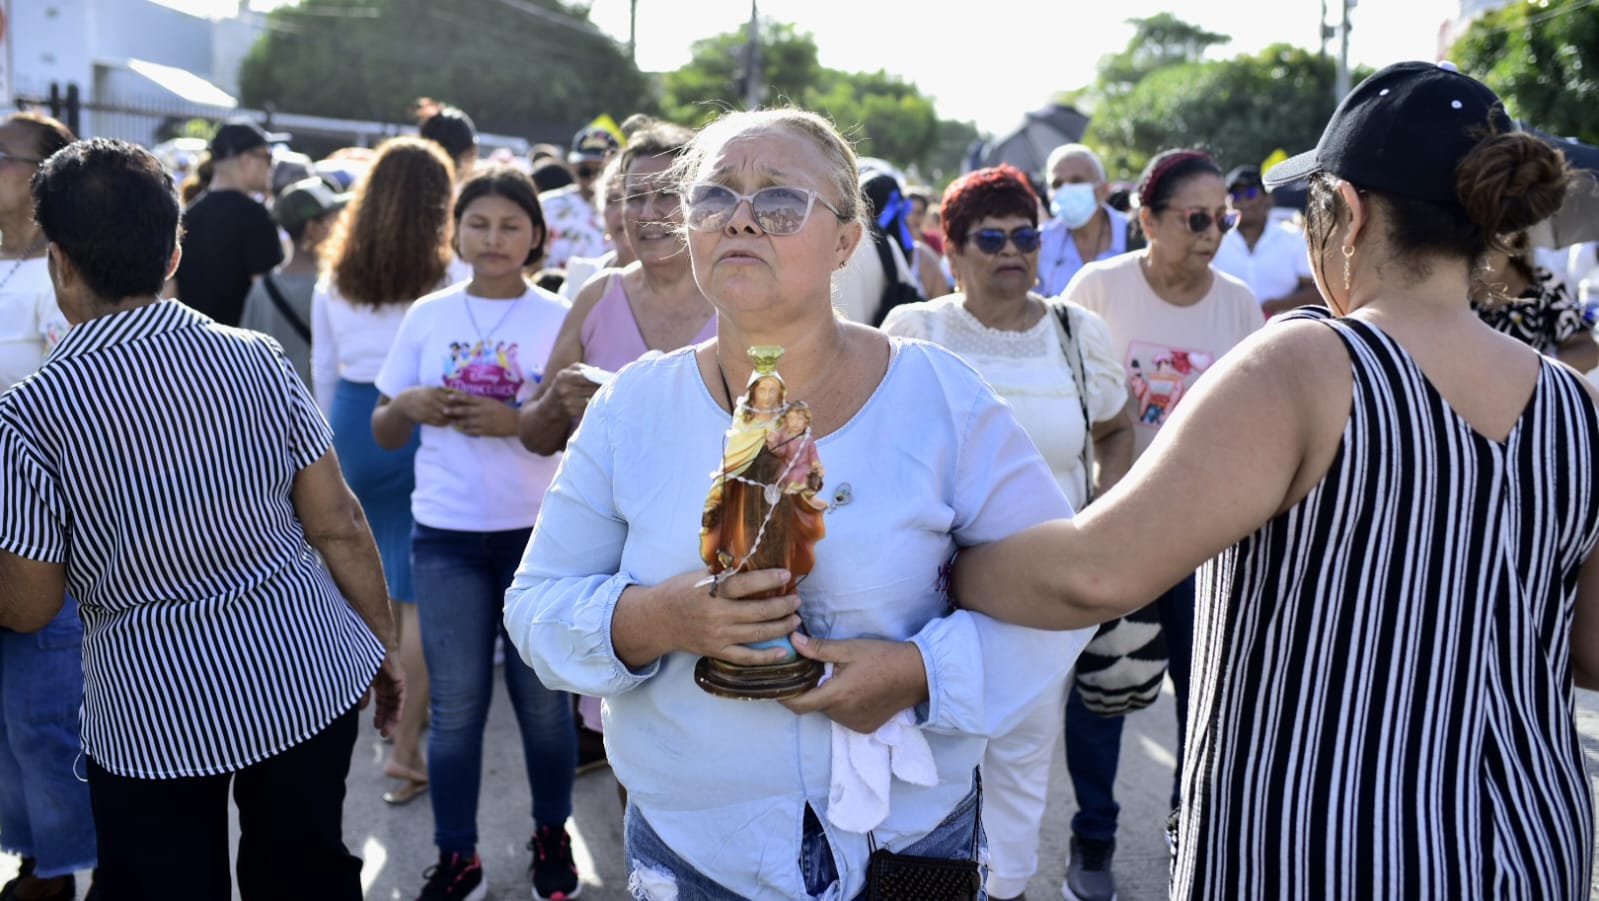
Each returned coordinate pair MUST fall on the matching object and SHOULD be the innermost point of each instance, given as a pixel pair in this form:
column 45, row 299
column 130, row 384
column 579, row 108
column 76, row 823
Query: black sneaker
column 553, row 871
column 1088, row 873
column 455, row 877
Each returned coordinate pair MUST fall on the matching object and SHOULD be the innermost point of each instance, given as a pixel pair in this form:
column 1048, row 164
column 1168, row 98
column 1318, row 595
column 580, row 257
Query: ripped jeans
column 656, row 873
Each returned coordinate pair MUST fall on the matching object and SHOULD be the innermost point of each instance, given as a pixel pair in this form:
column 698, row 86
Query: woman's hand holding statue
column 691, row 614
column 872, row 680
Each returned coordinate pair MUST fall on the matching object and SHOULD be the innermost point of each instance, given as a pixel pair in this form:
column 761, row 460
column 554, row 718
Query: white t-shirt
column 348, row 341
column 494, row 348
column 30, row 322
column 1030, row 371
column 1273, row 269
column 1163, row 347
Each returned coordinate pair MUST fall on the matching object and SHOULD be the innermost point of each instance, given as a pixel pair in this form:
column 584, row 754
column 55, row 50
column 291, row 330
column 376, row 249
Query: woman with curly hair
column 390, row 246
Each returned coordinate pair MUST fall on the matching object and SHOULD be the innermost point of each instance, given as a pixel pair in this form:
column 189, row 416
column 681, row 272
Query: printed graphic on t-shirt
column 477, row 367
column 1159, row 376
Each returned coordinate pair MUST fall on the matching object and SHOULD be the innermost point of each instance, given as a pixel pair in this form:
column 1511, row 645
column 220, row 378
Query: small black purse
column 907, row 877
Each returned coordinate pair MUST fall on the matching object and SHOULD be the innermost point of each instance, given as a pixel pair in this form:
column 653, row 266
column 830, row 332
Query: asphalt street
column 396, row 842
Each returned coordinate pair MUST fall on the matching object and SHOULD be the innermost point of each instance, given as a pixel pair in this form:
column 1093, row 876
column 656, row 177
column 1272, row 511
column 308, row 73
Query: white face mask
column 1074, row 204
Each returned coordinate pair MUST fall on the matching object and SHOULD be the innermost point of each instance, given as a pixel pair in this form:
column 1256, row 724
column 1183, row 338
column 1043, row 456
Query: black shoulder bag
column 907, row 877
column 282, row 305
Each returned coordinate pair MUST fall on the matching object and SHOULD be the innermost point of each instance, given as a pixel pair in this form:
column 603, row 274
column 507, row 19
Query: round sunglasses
column 992, row 240
column 1198, row 219
column 777, row 210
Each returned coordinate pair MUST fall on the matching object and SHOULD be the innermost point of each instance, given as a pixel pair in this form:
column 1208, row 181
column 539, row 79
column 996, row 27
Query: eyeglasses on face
column 1249, row 193
column 777, row 210
column 1198, row 219
column 8, row 157
column 992, row 240
column 665, row 201
column 586, row 171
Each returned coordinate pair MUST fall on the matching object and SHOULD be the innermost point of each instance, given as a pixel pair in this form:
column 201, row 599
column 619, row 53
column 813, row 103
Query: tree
column 885, row 115
column 529, row 67
column 1238, row 110
column 1543, row 59
column 1158, row 42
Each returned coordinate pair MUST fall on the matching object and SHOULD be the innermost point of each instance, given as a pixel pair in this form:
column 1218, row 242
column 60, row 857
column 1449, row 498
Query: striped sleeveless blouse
column 1382, row 703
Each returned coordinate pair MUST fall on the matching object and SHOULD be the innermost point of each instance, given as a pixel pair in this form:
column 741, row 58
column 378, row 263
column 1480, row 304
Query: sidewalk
column 396, row 843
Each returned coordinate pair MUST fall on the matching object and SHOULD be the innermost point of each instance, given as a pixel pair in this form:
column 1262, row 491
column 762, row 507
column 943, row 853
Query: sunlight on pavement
column 582, row 857
column 1157, row 752
column 373, row 857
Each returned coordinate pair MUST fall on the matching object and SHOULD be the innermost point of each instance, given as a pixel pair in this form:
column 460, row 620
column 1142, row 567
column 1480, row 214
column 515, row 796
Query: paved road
column 396, row 843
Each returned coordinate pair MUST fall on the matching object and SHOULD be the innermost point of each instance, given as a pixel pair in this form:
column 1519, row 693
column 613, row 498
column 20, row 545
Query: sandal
column 408, row 791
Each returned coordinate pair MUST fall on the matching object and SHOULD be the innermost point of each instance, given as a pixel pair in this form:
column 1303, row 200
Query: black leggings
column 163, row 839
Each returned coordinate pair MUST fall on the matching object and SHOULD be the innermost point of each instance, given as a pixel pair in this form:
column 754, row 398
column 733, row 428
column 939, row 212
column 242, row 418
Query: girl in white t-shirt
column 464, row 360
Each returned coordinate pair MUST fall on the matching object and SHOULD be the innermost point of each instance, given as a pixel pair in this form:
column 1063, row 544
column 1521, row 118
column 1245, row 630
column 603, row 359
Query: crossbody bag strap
column 282, row 304
column 1073, row 351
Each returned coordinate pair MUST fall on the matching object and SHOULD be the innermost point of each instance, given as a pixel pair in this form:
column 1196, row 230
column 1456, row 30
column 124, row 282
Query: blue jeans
column 1094, row 742
column 44, row 806
column 460, row 580
column 645, row 850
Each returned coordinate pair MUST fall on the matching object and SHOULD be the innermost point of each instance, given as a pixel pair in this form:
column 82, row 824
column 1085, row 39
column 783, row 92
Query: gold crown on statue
column 765, row 357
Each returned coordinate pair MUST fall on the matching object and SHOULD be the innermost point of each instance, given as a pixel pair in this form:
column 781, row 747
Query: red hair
column 996, row 191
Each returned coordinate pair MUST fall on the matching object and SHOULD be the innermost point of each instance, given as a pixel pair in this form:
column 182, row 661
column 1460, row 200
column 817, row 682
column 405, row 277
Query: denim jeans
column 44, row 806
column 1094, row 742
column 460, row 580
column 650, row 862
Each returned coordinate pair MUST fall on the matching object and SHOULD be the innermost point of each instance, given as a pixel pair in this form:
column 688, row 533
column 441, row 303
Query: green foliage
column 1238, row 110
column 886, row 116
column 513, row 70
column 1159, row 41
column 1543, row 59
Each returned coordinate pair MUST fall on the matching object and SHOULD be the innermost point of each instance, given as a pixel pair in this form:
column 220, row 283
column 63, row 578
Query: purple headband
column 1165, row 167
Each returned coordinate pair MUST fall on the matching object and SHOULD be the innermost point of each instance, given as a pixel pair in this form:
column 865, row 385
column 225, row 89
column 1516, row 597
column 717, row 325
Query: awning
column 183, row 83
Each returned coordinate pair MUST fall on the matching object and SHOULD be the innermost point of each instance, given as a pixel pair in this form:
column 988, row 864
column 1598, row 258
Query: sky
column 990, row 61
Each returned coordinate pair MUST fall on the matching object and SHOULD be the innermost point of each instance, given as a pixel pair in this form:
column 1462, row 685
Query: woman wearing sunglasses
column 745, row 799
column 1067, row 389
column 1171, row 316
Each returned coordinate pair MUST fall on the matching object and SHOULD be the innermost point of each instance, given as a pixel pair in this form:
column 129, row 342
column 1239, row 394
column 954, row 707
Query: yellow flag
column 604, row 120
column 1276, row 157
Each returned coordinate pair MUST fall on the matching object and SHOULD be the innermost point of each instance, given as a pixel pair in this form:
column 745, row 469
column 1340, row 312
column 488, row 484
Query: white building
column 140, row 67
column 134, row 63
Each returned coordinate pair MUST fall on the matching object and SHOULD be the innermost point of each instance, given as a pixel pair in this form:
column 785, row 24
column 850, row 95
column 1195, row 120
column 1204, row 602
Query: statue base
column 775, row 682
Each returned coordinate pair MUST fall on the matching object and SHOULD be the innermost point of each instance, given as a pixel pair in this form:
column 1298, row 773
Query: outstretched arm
column 1252, row 439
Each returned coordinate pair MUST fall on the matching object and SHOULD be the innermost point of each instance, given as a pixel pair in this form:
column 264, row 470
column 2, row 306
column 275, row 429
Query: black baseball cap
column 1402, row 131
column 1244, row 177
column 239, row 135
column 592, row 144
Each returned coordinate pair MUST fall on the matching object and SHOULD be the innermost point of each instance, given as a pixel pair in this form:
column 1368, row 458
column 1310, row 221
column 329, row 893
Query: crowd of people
column 378, row 426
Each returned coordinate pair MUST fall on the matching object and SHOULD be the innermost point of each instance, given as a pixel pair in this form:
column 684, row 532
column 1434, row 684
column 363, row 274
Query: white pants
column 1015, row 788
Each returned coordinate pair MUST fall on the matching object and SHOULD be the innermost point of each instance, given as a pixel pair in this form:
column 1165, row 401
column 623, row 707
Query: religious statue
column 763, row 512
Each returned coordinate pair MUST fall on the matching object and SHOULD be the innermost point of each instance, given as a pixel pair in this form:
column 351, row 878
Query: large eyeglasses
column 1245, row 193
column 1198, row 219
column 992, row 240
column 6, row 157
column 777, row 210
column 665, row 201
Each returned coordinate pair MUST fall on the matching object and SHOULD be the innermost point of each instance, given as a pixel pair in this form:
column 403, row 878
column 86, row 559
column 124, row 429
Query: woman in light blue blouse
column 740, row 799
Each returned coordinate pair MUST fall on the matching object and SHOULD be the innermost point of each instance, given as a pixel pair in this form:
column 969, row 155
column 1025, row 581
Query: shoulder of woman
column 910, row 320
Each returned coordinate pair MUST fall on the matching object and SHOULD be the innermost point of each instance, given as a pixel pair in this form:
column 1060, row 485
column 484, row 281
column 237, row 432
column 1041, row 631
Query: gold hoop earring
column 1348, row 251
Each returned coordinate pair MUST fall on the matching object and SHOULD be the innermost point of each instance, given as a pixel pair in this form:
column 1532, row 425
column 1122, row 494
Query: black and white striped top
column 1382, row 701
column 154, row 455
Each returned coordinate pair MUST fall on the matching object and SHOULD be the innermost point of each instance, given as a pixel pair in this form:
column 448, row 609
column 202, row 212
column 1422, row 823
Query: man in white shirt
column 1268, row 257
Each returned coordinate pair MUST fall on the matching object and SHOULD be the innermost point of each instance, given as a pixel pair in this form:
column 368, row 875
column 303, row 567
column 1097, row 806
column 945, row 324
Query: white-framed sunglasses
column 780, row 210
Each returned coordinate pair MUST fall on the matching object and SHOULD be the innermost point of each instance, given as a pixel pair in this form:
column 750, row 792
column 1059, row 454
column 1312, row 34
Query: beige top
column 1163, row 347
